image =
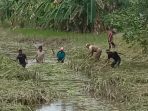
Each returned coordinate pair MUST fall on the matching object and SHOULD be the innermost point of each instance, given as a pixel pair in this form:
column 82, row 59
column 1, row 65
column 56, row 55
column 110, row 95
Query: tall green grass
column 77, row 38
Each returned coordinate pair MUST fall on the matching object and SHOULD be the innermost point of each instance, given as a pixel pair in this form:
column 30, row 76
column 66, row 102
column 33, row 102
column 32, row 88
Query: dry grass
column 10, row 69
column 126, row 85
column 20, row 89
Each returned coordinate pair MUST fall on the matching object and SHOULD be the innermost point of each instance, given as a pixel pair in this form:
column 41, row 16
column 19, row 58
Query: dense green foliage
column 133, row 21
column 75, row 15
column 130, row 16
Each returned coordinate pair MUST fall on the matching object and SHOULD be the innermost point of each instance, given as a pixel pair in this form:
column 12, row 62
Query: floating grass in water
column 10, row 69
column 20, row 87
column 127, row 84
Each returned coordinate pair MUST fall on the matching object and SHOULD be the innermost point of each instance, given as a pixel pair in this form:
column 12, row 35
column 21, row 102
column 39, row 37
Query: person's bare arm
column 43, row 57
column 108, row 58
column 16, row 59
column 90, row 52
column 26, row 60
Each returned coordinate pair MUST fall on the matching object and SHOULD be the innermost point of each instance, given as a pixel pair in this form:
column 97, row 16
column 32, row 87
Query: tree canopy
column 129, row 16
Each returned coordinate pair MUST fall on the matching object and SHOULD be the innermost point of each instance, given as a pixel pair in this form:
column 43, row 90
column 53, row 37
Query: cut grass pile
column 126, row 85
column 20, row 89
column 9, row 69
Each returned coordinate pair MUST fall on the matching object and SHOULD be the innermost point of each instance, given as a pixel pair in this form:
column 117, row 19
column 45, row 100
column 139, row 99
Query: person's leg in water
column 118, row 63
column 113, row 45
column 37, row 61
column 58, row 60
column 98, row 54
column 113, row 64
column 109, row 45
column 62, row 61
column 24, row 65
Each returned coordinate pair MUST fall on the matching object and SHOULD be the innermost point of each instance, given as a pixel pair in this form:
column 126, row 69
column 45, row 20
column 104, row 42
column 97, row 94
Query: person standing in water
column 111, row 33
column 40, row 55
column 61, row 55
column 115, row 56
column 22, row 58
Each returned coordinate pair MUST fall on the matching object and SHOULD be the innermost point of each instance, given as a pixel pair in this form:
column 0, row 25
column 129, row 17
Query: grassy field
column 74, row 37
column 24, row 89
column 125, row 87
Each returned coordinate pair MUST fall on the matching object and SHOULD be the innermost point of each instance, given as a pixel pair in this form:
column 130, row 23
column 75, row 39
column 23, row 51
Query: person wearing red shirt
column 110, row 39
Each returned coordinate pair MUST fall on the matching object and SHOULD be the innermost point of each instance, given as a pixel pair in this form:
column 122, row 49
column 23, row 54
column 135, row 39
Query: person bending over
column 21, row 57
column 61, row 55
column 94, row 49
column 115, row 56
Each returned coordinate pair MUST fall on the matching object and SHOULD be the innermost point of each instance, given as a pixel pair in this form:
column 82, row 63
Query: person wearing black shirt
column 22, row 58
column 115, row 56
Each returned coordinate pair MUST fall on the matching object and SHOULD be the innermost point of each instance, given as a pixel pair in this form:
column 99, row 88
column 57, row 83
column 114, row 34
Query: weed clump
column 9, row 69
column 126, row 85
column 20, row 88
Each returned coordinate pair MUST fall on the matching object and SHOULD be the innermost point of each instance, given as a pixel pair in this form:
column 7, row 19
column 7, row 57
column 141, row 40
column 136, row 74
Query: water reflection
column 57, row 106
column 33, row 62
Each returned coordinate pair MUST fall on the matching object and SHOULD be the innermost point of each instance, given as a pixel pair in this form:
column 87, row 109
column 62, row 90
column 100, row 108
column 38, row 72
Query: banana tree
column 78, row 13
column 24, row 11
column 6, row 9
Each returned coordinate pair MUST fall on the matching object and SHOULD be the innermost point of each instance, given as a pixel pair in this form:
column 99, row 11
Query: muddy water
column 66, row 81
column 32, row 62
column 72, row 84
column 57, row 106
column 91, row 105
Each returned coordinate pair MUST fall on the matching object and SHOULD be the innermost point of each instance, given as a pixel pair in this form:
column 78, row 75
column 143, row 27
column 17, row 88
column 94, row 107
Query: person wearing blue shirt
column 61, row 55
